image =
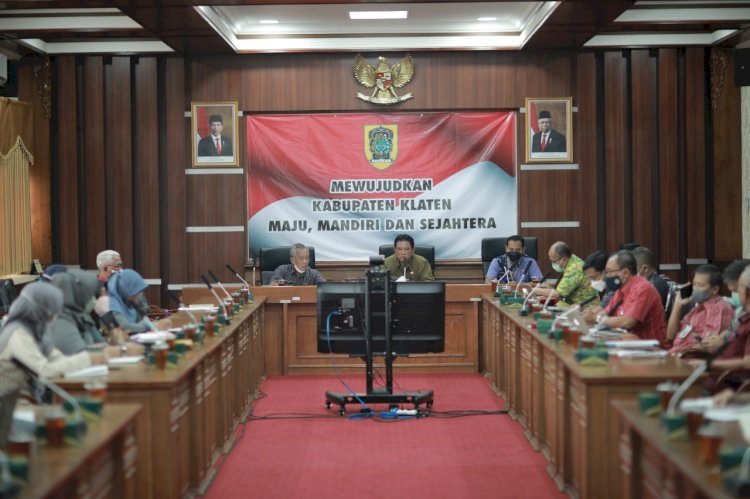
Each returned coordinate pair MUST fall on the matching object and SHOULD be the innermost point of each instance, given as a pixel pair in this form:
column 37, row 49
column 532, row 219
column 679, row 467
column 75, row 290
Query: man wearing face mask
column 511, row 265
column 298, row 272
column 636, row 305
column 711, row 315
column 645, row 262
column 594, row 267
column 737, row 354
column 574, row 285
column 127, row 302
column 731, row 277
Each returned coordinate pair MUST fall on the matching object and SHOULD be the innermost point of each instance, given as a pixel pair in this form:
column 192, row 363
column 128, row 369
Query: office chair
column 495, row 246
column 427, row 252
column 271, row 258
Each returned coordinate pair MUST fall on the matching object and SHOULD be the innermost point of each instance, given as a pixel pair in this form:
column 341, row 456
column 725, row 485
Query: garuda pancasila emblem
column 384, row 78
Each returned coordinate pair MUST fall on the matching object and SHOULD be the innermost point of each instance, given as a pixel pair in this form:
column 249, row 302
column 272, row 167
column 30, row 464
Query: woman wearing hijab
column 127, row 302
column 74, row 329
column 23, row 335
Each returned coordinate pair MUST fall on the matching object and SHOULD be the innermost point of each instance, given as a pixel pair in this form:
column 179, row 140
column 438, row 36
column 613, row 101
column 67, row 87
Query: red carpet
column 471, row 457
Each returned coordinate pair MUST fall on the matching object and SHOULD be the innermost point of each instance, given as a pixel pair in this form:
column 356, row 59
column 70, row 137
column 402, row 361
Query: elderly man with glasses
column 574, row 285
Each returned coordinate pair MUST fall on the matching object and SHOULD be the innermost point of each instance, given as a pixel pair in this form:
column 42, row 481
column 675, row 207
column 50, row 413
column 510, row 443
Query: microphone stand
column 182, row 306
column 523, row 276
column 697, row 373
column 239, row 276
column 219, row 300
column 213, row 276
column 525, row 302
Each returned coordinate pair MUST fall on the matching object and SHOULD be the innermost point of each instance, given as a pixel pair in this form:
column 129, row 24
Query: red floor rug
column 336, row 457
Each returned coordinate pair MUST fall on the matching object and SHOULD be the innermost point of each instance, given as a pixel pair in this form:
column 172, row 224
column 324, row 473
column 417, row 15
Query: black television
column 417, row 317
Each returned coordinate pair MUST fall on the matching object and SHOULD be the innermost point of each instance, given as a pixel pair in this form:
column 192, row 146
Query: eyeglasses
column 610, row 272
column 557, row 259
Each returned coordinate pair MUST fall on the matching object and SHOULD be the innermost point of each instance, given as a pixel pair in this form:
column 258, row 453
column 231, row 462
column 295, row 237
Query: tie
column 218, row 147
column 544, row 142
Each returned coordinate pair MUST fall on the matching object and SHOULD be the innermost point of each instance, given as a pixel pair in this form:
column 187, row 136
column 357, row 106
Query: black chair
column 495, row 246
column 271, row 258
column 427, row 252
column 7, row 295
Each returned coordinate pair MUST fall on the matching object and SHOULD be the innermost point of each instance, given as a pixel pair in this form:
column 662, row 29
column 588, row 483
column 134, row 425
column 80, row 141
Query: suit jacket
column 207, row 147
column 555, row 142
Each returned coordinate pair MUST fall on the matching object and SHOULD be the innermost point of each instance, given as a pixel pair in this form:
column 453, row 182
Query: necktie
column 218, row 147
column 544, row 142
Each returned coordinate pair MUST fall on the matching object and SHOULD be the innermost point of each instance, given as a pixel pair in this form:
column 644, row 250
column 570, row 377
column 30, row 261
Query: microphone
column 535, row 288
column 239, row 276
column 578, row 306
column 57, row 391
column 523, row 275
column 221, row 302
column 182, row 306
column 697, row 373
column 213, row 276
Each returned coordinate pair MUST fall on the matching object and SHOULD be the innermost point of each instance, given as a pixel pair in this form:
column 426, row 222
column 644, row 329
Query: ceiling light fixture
column 383, row 14
column 486, row 19
column 269, row 21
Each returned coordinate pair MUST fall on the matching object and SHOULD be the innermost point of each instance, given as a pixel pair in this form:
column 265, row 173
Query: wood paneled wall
column 657, row 164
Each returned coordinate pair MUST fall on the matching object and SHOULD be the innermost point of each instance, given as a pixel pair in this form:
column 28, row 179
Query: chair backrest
column 7, row 406
column 7, row 295
column 495, row 246
column 271, row 258
column 427, row 252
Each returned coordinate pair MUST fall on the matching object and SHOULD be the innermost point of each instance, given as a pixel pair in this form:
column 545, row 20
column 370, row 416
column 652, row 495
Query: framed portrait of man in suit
column 214, row 133
column 549, row 130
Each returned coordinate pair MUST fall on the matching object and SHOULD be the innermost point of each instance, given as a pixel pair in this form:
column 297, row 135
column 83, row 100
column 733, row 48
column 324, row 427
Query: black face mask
column 514, row 256
column 613, row 283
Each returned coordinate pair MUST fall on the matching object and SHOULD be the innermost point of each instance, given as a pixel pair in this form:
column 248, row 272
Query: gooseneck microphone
column 238, row 275
column 544, row 278
column 182, row 306
column 216, row 279
column 577, row 306
column 52, row 386
column 523, row 275
column 697, row 373
column 219, row 300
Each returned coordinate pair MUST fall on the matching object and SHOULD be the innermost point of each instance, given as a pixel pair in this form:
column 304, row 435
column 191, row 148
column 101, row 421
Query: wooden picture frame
column 557, row 146
column 214, row 134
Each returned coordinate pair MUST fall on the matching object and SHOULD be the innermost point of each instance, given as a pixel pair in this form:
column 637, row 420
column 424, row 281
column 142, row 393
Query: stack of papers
column 153, row 337
column 200, row 307
column 637, row 354
column 123, row 361
column 86, row 372
column 633, row 344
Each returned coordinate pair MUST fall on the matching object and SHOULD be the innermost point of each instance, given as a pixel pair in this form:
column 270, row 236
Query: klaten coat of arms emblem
column 385, row 79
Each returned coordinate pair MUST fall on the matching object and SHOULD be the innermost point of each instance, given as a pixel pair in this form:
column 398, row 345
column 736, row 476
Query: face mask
column 700, row 296
column 89, row 306
column 599, row 285
column 557, row 267
column 736, row 299
column 513, row 256
column 299, row 270
column 613, row 283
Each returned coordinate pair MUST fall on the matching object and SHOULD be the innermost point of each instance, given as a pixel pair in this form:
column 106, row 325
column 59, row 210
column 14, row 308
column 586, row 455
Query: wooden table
column 190, row 413
column 655, row 466
column 291, row 332
column 105, row 463
column 565, row 408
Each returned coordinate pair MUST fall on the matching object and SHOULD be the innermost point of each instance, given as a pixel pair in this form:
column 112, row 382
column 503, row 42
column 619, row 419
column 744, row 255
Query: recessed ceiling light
column 383, row 14
column 486, row 19
column 269, row 21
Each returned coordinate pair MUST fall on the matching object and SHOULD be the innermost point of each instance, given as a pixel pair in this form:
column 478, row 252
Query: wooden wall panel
column 695, row 215
column 67, row 162
column 644, row 150
column 727, row 185
column 216, row 200
column 212, row 251
column 94, row 181
column 584, row 142
column 146, row 170
column 176, row 136
column 119, row 157
column 615, row 136
column 669, row 215
column 40, row 171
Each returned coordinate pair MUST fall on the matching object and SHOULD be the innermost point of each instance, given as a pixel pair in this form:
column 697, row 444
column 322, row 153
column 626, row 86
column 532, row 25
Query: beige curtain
column 15, row 201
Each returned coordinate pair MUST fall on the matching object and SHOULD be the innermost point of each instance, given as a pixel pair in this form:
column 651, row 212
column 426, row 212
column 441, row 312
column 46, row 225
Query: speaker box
column 741, row 67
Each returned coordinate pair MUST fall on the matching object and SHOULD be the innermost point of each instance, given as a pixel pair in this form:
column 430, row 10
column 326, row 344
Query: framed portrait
column 214, row 133
column 549, row 130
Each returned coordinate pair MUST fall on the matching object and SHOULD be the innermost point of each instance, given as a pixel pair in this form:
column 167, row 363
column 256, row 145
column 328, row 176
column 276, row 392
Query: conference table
column 190, row 411
column 655, row 466
column 103, row 463
column 565, row 408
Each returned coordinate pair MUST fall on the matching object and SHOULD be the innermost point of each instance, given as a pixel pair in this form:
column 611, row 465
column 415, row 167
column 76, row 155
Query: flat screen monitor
column 417, row 317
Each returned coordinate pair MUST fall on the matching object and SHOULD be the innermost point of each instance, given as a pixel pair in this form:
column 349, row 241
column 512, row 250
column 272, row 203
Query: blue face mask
column 736, row 300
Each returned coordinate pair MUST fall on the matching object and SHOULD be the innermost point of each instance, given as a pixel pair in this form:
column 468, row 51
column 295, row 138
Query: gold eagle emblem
column 384, row 79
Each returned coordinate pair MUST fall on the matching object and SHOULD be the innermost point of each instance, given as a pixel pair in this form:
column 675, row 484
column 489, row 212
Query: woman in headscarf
column 23, row 335
column 127, row 302
column 75, row 329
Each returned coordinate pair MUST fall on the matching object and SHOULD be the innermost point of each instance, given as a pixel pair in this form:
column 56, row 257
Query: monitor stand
column 377, row 284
